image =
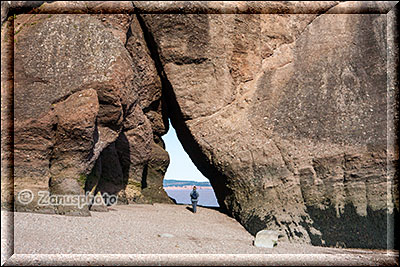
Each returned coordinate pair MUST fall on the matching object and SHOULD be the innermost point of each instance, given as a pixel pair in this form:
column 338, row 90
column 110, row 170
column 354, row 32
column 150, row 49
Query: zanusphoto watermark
column 45, row 199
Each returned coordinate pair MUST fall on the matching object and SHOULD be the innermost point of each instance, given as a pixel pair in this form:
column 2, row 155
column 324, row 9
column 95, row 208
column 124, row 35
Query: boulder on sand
column 266, row 239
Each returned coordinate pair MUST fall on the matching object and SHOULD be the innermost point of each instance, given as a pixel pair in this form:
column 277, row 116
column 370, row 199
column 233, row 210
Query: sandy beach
column 171, row 231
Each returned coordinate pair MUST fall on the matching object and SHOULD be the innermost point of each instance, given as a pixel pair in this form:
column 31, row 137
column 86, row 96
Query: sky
column 181, row 166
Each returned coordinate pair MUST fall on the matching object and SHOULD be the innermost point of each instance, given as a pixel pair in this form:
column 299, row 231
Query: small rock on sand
column 166, row 235
column 266, row 239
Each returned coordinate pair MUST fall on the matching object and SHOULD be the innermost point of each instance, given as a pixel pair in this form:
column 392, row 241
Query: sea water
column 182, row 196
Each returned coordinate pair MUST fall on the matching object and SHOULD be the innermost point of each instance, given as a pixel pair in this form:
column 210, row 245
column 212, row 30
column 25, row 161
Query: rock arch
column 286, row 115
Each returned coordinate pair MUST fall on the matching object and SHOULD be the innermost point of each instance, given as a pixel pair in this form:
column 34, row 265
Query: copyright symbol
column 25, row 196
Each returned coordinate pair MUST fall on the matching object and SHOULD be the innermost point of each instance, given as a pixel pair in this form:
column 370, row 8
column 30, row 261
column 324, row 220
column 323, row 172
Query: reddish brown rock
column 81, row 7
column 143, row 121
column 152, row 184
column 284, row 107
column 7, row 87
column 71, row 89
column 75, row 128
column 286, row 115
column 147, row 79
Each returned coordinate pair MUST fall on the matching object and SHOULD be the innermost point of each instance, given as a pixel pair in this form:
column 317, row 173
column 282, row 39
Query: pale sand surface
column 141, row 229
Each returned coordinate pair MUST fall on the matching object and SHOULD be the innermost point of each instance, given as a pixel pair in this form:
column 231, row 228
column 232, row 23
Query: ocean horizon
column 182, row 196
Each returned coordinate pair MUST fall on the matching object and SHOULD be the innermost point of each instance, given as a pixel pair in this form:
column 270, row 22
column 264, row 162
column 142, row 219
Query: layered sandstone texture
column 87, row 108
column 287, row 107
column 286, row 114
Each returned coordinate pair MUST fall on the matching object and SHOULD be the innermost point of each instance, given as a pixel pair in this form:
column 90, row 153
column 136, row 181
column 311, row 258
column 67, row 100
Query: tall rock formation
column 287, row 117
column 287, row 107
column 85, row 107
column 72, row 89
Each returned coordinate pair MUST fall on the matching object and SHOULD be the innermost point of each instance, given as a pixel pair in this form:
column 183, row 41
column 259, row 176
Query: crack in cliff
column 128, row 32
column 299, row 34
column 185, row 60
column 154, row 51
column 284, row 159
column 129, row 109
column 204, row 164
column 316, row 17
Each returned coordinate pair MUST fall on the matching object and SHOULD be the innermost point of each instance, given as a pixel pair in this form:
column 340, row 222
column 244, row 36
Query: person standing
column 194, row 196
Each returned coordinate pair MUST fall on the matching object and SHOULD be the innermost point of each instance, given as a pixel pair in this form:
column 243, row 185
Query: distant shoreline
column 186, row 187
column 180, row 184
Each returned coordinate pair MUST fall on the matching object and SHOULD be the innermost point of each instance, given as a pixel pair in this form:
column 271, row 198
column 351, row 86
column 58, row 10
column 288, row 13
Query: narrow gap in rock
column 182, row 175
column 203, row 164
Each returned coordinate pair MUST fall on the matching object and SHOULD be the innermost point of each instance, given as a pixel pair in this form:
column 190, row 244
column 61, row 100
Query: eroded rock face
column 72, row 88
column 125, row 168
column 7, row 127
column 285, row 110
column 87, row 109
column 286, row 115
